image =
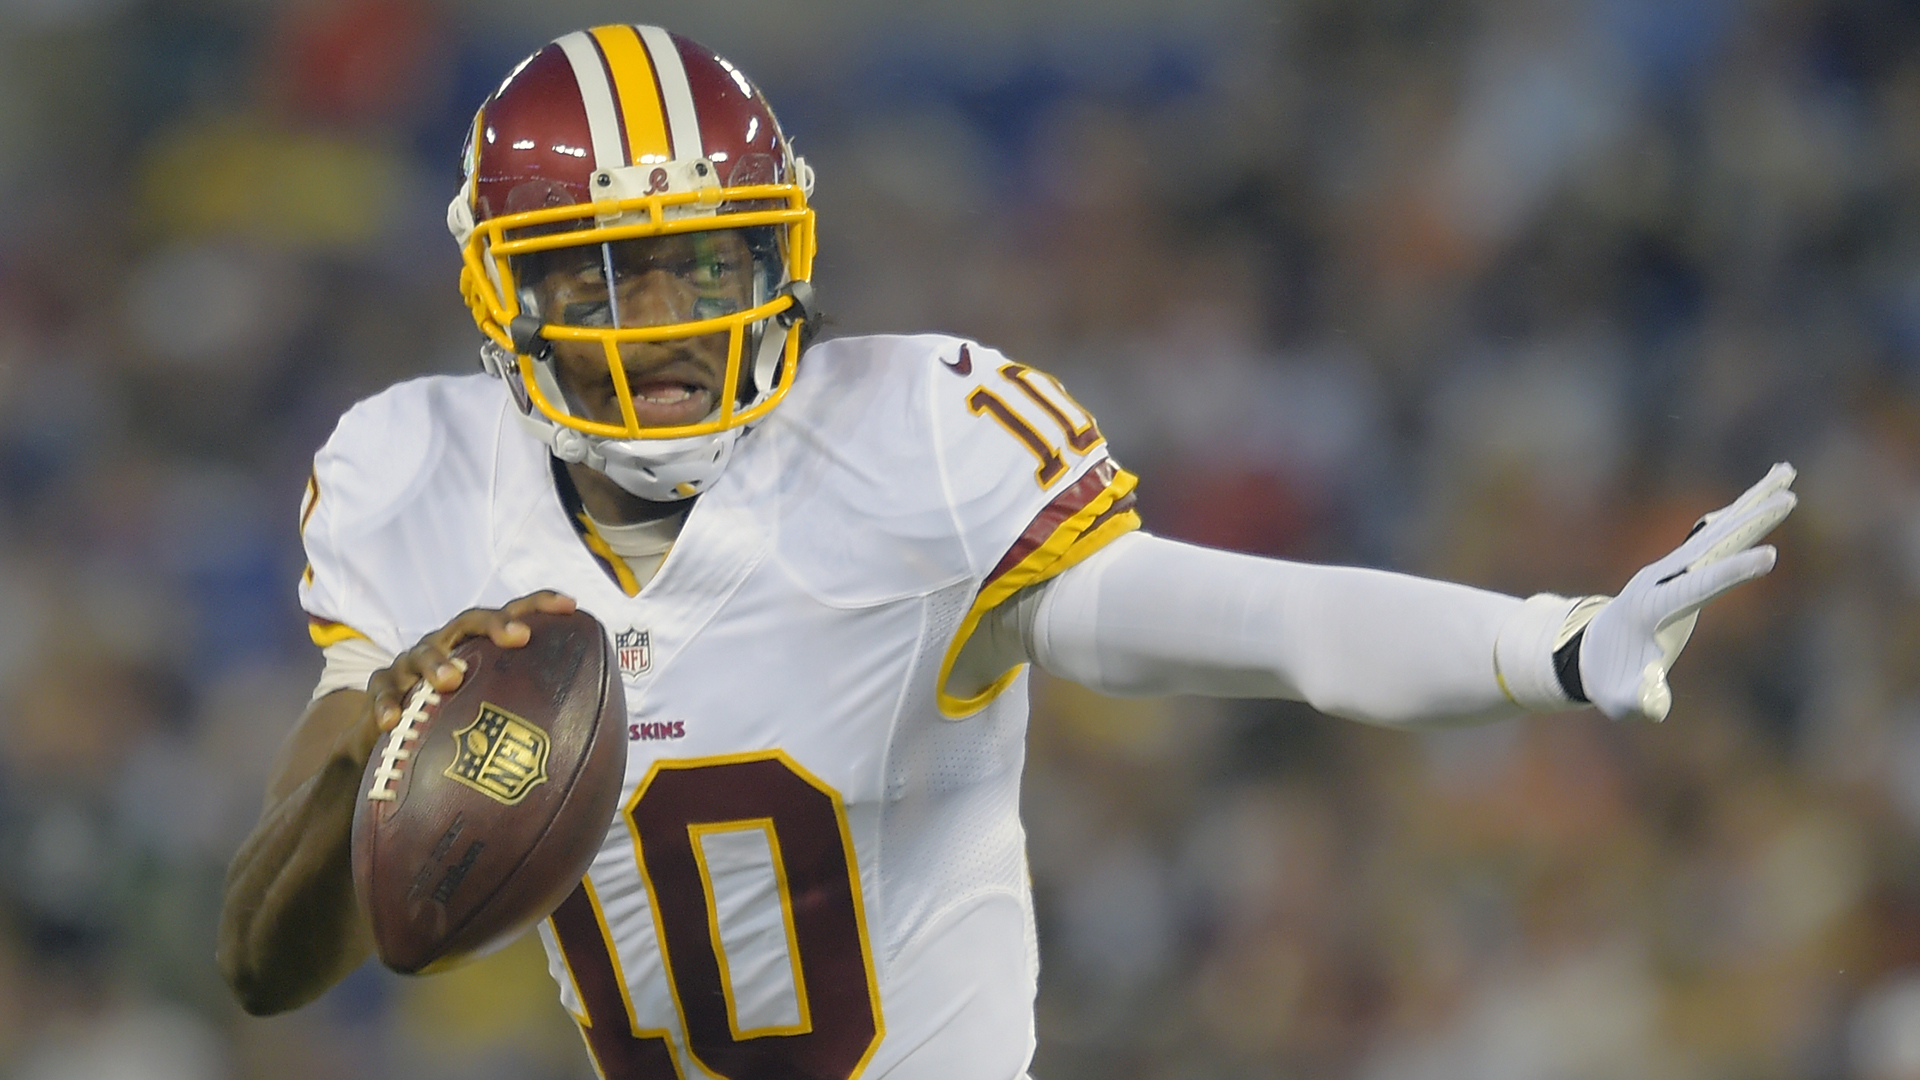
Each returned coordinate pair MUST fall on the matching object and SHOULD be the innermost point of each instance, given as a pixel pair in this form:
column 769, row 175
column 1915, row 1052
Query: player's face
column 652, row 281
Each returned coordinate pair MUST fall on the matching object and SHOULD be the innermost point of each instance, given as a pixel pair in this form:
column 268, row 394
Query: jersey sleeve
column 1031, row 483
column 385, row 557
column 338, row 590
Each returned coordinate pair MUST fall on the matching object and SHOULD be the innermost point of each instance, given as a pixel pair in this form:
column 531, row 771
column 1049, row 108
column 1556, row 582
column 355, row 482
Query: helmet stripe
column 639, row 95
column 681, row 119
column 596, row 91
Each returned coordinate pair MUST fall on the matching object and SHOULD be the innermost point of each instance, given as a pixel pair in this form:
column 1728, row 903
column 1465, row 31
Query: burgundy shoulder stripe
column 1071, row 500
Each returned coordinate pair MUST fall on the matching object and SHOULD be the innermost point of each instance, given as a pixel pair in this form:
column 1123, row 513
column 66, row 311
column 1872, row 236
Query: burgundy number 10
column 1045, row 392
column 805, row 821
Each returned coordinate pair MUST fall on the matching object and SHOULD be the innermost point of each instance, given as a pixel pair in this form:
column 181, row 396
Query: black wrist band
column 1566, row 667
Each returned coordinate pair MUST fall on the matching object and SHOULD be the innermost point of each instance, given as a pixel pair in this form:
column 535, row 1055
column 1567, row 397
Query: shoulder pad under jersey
column 396, row 520
column 917, row 462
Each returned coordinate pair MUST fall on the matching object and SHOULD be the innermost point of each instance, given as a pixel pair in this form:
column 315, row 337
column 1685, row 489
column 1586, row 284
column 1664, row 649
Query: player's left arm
column 1032, row 491
column 1152, row 616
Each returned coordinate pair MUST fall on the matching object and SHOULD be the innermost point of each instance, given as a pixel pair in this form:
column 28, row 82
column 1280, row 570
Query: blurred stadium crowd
column 1505, row 291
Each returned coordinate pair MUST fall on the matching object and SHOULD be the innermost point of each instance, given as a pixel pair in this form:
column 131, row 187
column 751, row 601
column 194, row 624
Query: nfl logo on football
column 636, row 652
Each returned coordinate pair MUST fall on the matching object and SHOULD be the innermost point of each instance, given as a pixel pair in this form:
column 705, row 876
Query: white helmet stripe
column 596, row 90
column 683, row 124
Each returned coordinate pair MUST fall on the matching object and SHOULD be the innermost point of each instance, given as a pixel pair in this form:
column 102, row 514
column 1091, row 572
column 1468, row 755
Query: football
column 481, row 809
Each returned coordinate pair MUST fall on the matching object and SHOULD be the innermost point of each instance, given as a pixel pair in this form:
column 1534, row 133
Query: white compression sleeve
column 350, row 662
column 1153, row 616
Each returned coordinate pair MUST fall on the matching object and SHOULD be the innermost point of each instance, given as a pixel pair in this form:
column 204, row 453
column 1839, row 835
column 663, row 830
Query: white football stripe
column 683, row 124
column 596, row 90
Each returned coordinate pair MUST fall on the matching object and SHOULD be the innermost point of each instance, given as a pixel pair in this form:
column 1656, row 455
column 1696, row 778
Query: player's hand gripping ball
column 481, row 809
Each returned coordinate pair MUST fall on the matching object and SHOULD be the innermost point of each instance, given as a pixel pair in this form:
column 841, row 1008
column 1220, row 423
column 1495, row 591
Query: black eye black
column 586, row 313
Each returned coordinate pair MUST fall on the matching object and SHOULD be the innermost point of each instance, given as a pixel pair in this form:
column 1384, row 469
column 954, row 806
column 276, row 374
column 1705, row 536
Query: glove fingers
column 1734, row 530
column 1688, row 591
column 1634, row 639
column 1748, row 528
column 1778, row 478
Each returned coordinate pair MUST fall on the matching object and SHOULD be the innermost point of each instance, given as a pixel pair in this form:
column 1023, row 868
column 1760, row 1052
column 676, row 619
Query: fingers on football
column 428, row 660
column 553, row 603
column 509, row 632
column 432, row 659
column 387, row 691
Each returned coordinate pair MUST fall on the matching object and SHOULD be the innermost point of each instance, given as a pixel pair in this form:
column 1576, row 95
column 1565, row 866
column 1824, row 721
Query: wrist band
column 1566, row 667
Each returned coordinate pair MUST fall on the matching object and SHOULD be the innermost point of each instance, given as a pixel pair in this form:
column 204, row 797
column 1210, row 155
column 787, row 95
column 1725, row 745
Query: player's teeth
column 670, row 396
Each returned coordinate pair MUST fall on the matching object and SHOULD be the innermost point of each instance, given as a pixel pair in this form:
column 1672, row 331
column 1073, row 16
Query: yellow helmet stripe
column 682, row 120
column 638, row 93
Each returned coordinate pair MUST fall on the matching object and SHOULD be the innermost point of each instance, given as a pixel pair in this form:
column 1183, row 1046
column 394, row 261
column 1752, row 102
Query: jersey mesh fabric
column 951, row 823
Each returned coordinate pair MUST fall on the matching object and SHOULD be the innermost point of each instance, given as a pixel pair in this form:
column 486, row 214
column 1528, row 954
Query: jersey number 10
column 1044, row 391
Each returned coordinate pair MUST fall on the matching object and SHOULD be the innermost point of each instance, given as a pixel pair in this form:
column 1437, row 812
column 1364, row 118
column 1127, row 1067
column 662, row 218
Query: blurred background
column 1506, row 291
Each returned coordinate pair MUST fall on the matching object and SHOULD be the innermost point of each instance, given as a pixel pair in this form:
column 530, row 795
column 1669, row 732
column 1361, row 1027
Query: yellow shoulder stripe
column 1089, row 529
column 326, row 633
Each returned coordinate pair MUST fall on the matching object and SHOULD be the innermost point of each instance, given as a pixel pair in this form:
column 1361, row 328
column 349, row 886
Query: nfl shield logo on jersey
column 636, row 652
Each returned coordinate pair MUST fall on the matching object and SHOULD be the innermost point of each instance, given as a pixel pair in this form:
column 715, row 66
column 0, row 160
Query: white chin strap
column 658, row 470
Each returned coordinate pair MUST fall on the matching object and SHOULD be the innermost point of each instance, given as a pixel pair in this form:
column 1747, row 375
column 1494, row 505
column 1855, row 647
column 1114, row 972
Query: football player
column 827, row 572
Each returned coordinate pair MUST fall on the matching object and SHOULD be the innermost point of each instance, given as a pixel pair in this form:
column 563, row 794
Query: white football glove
column 1623, row 647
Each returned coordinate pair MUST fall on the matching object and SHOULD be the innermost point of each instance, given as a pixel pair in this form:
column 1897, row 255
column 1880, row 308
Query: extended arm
column 1152, row 616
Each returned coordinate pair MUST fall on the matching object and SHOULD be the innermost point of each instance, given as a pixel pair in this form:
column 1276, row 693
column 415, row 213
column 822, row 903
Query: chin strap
column 574, row 447
column 658, row 470
column 495, row 360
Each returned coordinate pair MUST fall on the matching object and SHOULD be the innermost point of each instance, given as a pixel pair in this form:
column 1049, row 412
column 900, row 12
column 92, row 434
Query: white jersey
column 818, row 867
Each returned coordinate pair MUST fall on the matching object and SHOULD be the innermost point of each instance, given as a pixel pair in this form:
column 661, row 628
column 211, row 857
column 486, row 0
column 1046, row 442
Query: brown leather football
column 480, row 811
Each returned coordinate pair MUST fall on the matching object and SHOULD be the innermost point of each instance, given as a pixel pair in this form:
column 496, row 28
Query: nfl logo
column 636, row 653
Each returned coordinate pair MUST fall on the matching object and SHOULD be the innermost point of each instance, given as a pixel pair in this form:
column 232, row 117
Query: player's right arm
column 290, row 926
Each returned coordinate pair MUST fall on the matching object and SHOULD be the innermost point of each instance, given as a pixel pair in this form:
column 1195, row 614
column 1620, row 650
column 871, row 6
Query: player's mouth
column 671, row 396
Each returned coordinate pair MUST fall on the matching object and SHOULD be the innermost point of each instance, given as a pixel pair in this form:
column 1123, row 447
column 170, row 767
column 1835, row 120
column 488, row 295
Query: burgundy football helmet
column 630, row 152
